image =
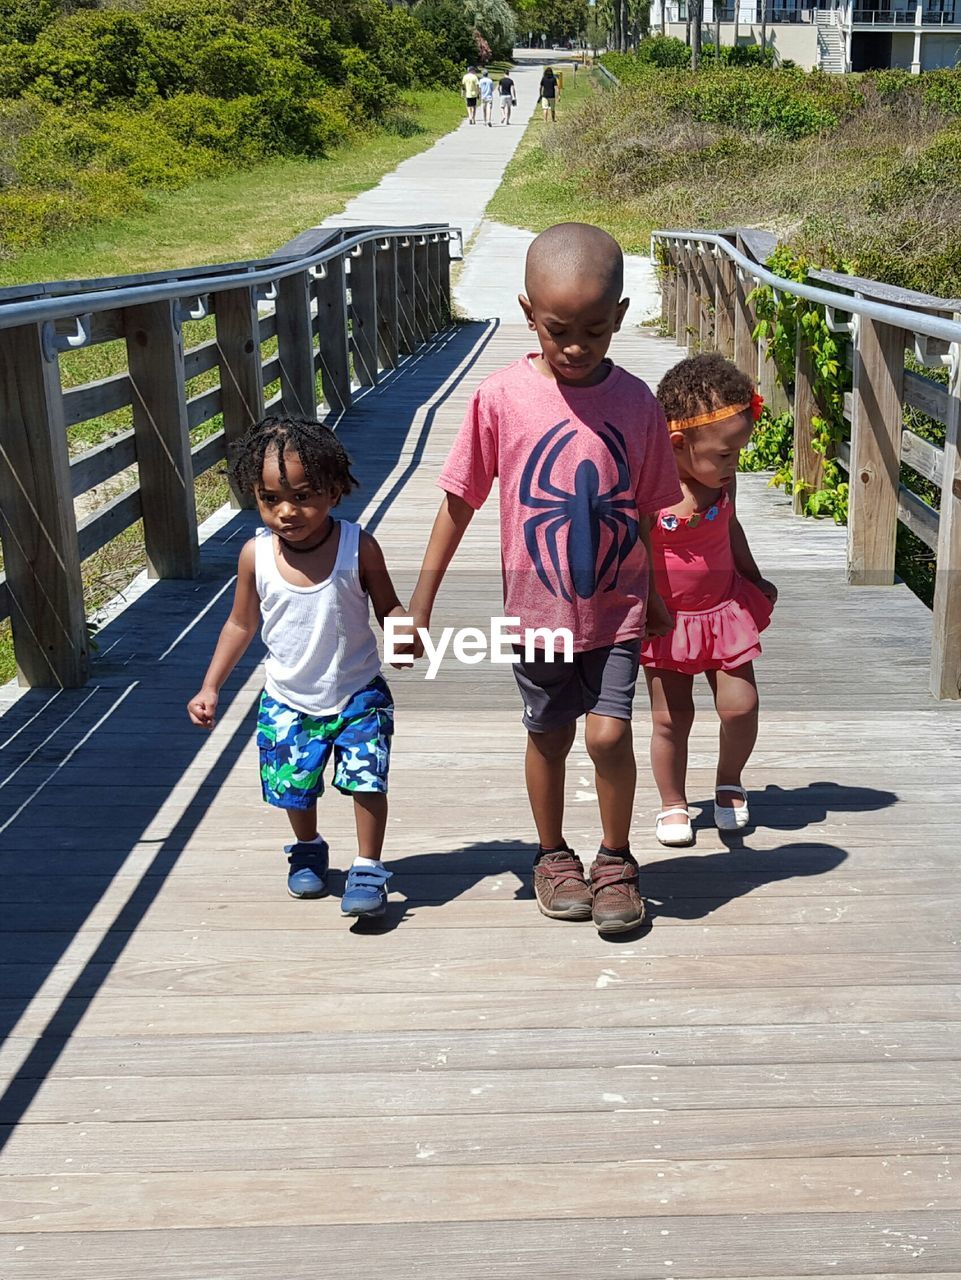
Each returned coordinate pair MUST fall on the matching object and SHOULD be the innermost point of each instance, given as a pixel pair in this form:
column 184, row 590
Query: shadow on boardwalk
column 87, row 772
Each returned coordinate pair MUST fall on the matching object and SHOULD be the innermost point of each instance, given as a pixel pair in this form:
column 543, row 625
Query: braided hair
column 322, row 456
column 700, row 384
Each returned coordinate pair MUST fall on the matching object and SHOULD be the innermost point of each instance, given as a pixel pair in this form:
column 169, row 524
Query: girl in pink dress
column 707, row 577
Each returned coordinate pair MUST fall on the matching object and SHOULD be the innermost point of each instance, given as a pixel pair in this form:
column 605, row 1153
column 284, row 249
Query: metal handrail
column 899, row 317
column 40, row 310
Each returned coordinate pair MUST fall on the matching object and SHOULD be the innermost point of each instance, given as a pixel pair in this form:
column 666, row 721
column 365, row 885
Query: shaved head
column 573, row 251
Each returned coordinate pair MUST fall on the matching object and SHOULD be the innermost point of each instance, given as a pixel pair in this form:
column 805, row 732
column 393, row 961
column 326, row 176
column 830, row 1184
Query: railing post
column 37, row 522
column 332, row 341
column 666, row 269
column 363, row 313
column 692, row 325
column 808, row 464
column 241, row 370
column 875, row 452
column 155, row 362
column 707, row 273
column 680, row 297
column 295, row 345
column 446, row 311
column 724, row 290
column 434, row 298
column 406, row 294
column 946, row 633
column 387, row 305
column 422, row 289
column 745, row 351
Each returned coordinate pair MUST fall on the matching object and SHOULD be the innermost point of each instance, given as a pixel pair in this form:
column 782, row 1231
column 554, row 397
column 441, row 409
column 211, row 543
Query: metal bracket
column 932, row 352
column 382, row 245
column 192, row 309
column 836, row 325
column 951, row 359
column 318, row 272
column 267, row 292
column 52, row 343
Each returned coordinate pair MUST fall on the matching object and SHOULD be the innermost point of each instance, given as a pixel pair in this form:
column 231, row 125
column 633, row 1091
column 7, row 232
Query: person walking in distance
column 471, row 85
column 486, row 86
column 549, row 90
column 508, row 97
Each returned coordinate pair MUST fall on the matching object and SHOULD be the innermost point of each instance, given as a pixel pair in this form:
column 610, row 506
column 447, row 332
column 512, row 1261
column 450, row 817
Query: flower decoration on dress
column 669, row 522
column 711, row 513
column 694, row 520
column 757, row 405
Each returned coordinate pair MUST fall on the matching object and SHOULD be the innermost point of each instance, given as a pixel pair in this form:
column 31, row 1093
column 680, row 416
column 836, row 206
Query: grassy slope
column 538, row 188
column 243, row 215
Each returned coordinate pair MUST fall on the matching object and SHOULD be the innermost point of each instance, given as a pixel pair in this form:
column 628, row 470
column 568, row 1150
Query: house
column 835, row 35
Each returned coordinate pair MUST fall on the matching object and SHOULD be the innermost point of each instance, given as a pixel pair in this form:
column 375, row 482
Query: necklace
column 288, row 546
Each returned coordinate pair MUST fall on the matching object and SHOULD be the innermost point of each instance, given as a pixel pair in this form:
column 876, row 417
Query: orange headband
column 755, row 404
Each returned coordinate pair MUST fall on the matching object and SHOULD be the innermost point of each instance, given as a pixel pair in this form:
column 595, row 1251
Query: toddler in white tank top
column 306, row 582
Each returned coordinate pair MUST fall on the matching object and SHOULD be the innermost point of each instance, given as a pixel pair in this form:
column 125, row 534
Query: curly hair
column 322, row 456
column 701, row 384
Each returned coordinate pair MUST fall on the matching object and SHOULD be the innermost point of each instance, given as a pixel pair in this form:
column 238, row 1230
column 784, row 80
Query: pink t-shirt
column 576, row 467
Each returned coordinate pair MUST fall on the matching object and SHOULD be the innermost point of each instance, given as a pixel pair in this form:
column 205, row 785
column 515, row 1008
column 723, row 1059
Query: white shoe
column 731, row 819
column 674, row 834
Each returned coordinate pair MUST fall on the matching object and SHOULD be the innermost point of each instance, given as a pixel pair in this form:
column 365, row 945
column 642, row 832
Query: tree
column 495, row 21
column 696, row 10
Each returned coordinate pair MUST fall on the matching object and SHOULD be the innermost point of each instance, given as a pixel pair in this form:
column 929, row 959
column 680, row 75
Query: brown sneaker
column 559, row 885
column 617, row 902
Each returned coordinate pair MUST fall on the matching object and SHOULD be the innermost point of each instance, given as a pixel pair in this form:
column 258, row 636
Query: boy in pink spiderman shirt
column 582, row 456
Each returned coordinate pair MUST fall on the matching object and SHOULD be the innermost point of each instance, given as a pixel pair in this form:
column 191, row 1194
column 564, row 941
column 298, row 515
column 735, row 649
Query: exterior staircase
column 830, row 44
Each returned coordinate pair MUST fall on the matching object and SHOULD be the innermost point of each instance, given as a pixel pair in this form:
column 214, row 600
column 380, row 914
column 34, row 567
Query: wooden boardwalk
column 206, row 1080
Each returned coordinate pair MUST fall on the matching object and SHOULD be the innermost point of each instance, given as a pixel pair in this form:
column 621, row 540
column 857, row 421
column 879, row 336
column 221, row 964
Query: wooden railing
column 339, row 307
column 707, row 279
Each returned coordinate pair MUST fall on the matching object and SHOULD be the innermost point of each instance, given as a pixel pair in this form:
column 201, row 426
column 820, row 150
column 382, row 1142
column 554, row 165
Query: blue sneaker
column 308, row 866
column 365, row 894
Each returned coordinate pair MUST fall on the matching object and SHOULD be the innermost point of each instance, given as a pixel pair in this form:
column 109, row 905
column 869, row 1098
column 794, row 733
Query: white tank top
column 320, row 646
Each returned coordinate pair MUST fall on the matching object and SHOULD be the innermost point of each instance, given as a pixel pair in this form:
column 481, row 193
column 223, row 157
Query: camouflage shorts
column 295, row 747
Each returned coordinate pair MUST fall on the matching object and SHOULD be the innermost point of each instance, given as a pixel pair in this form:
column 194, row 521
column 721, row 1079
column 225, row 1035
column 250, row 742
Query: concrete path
column 455, row 180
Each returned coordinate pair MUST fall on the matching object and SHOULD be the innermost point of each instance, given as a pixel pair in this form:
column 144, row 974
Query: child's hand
column 767, row 589
column 202, row 708
column 659, row 620
column 402, row 639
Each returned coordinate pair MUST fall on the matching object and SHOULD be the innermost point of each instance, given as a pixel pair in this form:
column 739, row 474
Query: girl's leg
column 735, row 697
column 370, row 817
column 610, row 744
column 672, row 718
column 544, row 769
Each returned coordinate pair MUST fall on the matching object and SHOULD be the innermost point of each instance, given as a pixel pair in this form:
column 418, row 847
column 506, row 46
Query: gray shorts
column 599, row 680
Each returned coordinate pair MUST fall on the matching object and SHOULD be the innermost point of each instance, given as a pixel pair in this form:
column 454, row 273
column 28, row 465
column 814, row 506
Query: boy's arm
column 450, row 525
column 376, row 581
column 658, row 619
column 236, row 634
column 744, row 561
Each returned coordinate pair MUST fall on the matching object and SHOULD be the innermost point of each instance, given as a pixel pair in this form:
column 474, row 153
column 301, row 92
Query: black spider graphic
column 587, row 510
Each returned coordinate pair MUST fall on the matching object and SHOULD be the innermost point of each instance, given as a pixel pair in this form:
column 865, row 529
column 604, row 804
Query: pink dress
column 718, row 614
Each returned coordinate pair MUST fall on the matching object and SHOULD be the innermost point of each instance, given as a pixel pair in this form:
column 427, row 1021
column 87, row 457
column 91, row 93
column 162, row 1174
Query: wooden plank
column 295, row 345
column 96, row 530
column 94, row 399
column 332, row 337
column 451, row 1193
column 387, row 310
column 102, row 461
column 925, row 458
column 209, row 452
column 155, row 360
column 875, row 453
column 422, row 315
column 303, row 1096
column 241, row 374
column 926, row 394
column 946, row 631
column 683, row 284
column 41, row 559
column 918, row 516
column 745, row 350
column 772, row 1247
column 204, row 357
column 363, row 313
column 202, row 408
column 404, row 1141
